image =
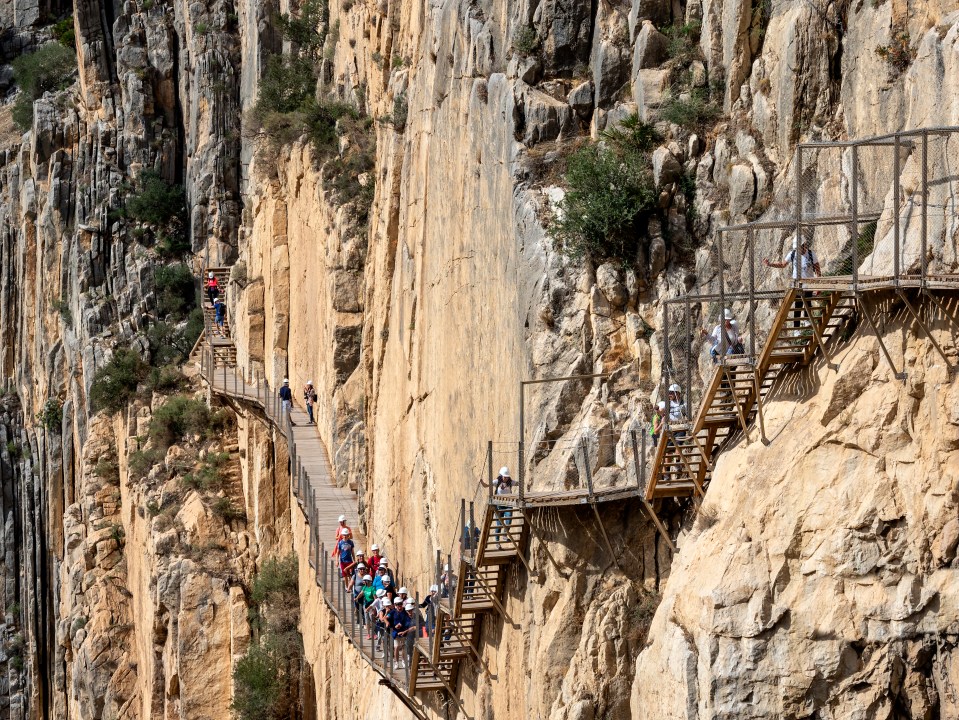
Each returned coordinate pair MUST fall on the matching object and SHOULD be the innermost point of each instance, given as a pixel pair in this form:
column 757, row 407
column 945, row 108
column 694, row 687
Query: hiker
column 340, row 527
column 356, row 577
column 808, row 262
column 309, row 397
column 677, row 408
column 402, row 625
column 374, row 617
column 656, row 425
column 807, row 266
column 219, row 315
column 414, row 618
column 385, row 567
column 445, row 581
column 429, row 603
column 502, row 513
column 725, row 336
column 212, row 288
column 286, row 397
column 344, row 549
column 374, row 559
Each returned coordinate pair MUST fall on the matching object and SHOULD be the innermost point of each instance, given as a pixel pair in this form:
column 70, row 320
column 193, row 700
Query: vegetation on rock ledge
column 267, row 678
column 609, row 194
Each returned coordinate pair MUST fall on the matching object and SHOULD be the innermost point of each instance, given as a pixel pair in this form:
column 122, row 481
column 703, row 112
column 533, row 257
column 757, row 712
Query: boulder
column 742, row 190
column 666, row 168
column 652, row 48
column 610, row 283
column 580, row 98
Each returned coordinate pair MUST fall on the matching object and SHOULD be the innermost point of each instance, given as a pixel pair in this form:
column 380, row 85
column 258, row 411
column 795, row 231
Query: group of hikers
column 212, row 286
column 727, row 339
column 389, row 615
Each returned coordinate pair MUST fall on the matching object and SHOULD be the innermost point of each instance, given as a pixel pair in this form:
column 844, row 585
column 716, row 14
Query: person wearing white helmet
column 340, row 527
column 286, row 398
column 677, row 408
column 212, row 287
column 344, row 550
column 725, row 337
column 429, row 606
column 374, row 559
column 358, row 589
column 803, row 265
column 374, row 617
column 309, row 398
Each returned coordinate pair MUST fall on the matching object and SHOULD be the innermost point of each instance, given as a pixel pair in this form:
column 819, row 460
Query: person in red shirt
column 374, row 561
column 212, row 287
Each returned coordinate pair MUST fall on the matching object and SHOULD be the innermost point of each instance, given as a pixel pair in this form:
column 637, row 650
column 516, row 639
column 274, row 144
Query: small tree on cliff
column 267, row 678
column 609, row 194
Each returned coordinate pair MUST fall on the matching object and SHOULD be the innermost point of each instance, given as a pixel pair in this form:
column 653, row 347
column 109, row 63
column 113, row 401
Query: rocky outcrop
column 823, row 563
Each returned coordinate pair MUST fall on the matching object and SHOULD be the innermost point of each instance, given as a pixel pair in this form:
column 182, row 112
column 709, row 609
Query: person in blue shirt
column 286, row 396
column 220, row 309
column 344, row 548
column 400, row 624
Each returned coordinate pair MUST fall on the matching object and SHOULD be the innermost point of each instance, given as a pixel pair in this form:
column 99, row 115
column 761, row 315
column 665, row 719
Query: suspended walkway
column 791, row 324
column 875, row 252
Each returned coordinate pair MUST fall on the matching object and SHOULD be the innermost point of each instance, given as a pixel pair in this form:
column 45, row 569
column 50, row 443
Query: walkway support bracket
column 912, row 311
column 872, row 323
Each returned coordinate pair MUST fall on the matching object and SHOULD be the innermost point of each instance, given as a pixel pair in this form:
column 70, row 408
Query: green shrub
column 224, row 508
column 49, row 67
column 209, row 476
column 115, row 384
column 51, row 415
column 526, row 42
column 13, row 449
column 302, row 30
column 401, row 112
column 62, row 307
column 257, row 684
column 64, row 33
column 632, row 135
column 142, row 461
column 899, row 53
column 277, row 581
column 14, row 609
column 683, row 41
column 175, row 290
column 267, row 677
column 202, row 28
column 609, row 196
column 156, row 201
column 178, row 416
column 168, row 346
column 23, row 111
column 287, row 83
column 171, row 241
column 106, row 469
column 165, row 379
column 689, row 110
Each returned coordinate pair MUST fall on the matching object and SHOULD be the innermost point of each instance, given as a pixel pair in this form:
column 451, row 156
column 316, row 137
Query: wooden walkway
column 804, row 328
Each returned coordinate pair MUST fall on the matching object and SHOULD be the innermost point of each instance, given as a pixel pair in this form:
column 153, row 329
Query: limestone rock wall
column 819, row 577
column 417, row 330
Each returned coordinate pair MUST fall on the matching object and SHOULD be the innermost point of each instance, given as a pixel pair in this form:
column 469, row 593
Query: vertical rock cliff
column 407, row 265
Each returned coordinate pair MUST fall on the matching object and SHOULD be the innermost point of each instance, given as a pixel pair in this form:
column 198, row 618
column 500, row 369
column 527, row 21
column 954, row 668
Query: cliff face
column 819, row 578
column 125, row 591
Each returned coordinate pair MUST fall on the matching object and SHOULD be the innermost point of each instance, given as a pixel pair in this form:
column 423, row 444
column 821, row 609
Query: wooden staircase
column 476, row 593
column 804, row 325
column 221, row 344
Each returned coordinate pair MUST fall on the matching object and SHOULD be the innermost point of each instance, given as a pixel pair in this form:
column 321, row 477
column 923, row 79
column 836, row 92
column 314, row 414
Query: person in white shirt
column 807, row 265
column 677, row 408
column 725, row 337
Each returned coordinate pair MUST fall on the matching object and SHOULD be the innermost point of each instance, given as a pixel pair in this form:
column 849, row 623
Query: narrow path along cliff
column 632, row 328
